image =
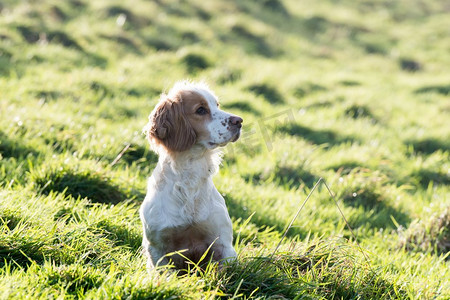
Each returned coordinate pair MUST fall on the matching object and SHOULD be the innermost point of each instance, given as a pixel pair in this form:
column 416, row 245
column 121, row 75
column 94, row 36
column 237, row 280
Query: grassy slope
column 357, row 94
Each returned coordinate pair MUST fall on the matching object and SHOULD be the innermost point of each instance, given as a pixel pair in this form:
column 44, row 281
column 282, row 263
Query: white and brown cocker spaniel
column 183, row 212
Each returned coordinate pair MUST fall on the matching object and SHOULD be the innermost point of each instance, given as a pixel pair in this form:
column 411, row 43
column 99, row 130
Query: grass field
column 355, row 92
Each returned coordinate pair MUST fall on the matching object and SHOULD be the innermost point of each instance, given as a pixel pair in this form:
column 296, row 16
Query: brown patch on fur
column 175, row 124
column 191, row 102
column 168, row 126
column 192, row 242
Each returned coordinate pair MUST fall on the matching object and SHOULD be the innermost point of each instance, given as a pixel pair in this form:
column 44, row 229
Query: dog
column 183, row 215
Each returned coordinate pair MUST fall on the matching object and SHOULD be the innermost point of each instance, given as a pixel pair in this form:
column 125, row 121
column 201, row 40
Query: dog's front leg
column 221, row 226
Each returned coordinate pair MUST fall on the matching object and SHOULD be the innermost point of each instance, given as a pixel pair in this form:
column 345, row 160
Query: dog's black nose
column 237, row 121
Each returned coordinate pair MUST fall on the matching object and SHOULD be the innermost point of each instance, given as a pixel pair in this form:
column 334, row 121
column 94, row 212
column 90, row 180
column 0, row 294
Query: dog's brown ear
column 169, row 126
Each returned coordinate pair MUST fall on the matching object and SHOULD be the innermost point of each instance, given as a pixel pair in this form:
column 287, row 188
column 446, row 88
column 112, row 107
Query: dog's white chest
column 193, row 202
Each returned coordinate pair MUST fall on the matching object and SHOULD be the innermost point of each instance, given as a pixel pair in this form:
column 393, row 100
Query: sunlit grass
column 354, row 93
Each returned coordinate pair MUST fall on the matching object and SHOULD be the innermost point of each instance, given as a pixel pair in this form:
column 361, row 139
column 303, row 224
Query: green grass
column 355, row 93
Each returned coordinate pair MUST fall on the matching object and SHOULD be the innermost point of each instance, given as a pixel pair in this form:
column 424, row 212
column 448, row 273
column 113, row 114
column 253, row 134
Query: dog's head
column 189, row 114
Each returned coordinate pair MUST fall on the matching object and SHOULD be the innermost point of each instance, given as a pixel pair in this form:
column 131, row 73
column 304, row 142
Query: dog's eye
column 201, row 111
